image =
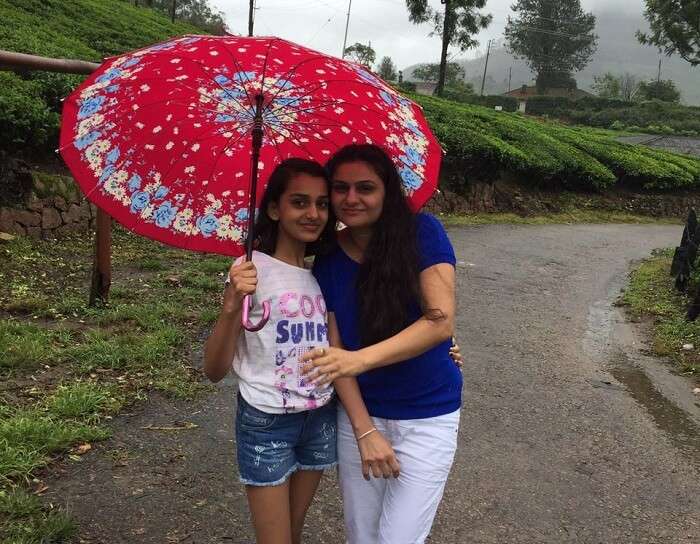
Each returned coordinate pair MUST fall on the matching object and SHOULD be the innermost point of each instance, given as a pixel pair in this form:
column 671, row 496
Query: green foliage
column 653, row 116
column 664, row 90
column 607, row 85
column 195, row 12
column 454, row 73
column 387, row 69
column 26, row 122
column 482, row 143
column 508, row 103
column 555, row 36
column 674, row 28
column 364, row 54
column 82, row 29
column 457, row 25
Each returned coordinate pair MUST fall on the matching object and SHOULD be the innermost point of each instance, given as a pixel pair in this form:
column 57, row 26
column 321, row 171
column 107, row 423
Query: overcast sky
column 320, row 24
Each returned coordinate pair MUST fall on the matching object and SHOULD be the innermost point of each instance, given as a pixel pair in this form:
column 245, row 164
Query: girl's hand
column 323, row 365
column 378, row 456
column 244, row 280
column 456, row 354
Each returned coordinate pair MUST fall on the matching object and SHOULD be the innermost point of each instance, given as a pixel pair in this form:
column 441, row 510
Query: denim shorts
column 272, row 446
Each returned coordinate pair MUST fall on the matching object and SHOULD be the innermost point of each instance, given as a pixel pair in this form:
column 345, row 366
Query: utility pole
column 347, row 24
column 510, row 73
column 251, row 17
column 486, row 65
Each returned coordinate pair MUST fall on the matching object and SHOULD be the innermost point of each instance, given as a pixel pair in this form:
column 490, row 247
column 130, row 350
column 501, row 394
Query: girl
column 285, row 426
column 389, row 291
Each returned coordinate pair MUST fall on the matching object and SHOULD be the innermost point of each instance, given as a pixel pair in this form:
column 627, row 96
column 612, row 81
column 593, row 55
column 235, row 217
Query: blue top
column 425, row 386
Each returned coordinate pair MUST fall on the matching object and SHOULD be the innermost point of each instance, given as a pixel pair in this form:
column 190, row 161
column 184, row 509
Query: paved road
column 562, row 440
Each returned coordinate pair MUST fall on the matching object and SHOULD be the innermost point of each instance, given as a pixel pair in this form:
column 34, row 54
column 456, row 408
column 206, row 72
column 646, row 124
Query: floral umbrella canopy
column 163, row 139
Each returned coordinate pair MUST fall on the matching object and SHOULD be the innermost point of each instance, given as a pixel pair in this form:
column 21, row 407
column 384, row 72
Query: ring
column 323, row 351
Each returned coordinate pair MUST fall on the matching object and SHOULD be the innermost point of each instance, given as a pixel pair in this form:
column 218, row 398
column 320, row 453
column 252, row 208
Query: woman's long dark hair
column 387, row 282
column 266, row 229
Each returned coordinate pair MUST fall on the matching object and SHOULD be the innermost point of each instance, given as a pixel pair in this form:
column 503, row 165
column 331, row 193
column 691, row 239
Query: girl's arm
column 375, row 450
column 437, row 284
column 221, row 344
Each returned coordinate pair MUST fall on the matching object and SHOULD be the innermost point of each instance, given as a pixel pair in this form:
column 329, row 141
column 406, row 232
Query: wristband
column 367, row 433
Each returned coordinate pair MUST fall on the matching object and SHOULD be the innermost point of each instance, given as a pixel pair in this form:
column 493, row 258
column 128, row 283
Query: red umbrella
column 176, row 141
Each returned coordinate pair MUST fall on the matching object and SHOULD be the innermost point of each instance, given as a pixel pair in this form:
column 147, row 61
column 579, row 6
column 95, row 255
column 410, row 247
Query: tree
column 629, row 86
column 674, row 27
column 431, row 72
column 196, row 12
column 555, row 36
column 664, row 90
column 364, row 54
column 607, row 86
column 387, row 69
column 456, row 25
column 623, row 87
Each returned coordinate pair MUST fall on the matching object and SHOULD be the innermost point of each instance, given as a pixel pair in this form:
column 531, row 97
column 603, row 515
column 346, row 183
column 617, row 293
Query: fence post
column 101, row 268
column 102, row 264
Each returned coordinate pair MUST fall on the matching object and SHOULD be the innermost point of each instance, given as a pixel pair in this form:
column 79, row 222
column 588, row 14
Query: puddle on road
column 682, row 430
column 602, row 346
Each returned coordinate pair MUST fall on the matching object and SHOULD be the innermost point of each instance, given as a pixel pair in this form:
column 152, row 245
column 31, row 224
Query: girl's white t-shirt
column 267, row 362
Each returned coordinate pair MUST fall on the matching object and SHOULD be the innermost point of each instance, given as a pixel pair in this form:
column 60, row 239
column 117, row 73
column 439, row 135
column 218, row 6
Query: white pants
column 397, row 511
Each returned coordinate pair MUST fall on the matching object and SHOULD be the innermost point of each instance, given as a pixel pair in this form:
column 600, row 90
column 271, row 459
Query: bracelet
column 365, row 434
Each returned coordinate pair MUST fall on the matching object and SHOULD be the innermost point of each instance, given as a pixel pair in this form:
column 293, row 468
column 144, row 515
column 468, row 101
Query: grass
column 24, row 520
column 651, row 294
column 66, row 369
column 574, row 216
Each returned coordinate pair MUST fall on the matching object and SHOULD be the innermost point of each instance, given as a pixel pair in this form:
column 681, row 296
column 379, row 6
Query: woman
column 389, row 291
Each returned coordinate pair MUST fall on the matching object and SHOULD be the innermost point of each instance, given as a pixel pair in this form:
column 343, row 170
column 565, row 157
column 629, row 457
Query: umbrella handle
column 245, row 320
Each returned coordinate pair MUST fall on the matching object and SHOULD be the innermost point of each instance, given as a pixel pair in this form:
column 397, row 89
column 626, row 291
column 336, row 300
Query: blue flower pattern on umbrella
column 165, row 214
column 225, row 100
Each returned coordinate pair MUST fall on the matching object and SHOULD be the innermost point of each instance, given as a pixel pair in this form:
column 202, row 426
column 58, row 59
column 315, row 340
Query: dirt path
column 562, row 440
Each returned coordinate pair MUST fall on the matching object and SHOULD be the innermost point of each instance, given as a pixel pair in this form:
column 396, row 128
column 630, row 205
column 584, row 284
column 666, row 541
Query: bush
column 26, row 122
column 482, row 143
column 82, row 29
column 653, row 116
column 508, row 103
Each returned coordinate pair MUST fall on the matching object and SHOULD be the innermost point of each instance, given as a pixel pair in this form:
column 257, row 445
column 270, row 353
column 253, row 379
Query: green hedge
column 484, row 143
column 26, row 121
column 651, row 116
column 82, row 29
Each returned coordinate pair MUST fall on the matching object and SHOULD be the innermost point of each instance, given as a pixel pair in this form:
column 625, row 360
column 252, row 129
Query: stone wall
column 41, row 205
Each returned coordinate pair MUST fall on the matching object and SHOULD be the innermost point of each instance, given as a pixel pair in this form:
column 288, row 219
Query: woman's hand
column 323, row 365
column 244, row 281
column 456, row 354
column 378, row 456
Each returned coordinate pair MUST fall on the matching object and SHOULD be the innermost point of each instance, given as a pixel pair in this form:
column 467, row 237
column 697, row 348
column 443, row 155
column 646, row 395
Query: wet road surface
column 569, row 432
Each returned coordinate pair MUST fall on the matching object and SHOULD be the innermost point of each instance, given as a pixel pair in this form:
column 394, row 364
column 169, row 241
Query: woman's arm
column 221, row 344
column 437, row 284
column 375, row 450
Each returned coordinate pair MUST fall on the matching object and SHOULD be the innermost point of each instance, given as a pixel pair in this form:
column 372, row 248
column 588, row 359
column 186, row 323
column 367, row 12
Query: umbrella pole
column 257, row 143
column 101, row 267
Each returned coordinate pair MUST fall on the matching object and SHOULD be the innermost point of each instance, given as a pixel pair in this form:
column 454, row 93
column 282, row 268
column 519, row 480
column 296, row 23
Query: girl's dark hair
column 266, row 229
column 387, row 282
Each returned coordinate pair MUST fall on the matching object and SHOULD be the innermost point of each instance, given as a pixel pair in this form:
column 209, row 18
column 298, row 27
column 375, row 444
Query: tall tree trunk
column 446, row 36
column 173, row 7
column 251, row 12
